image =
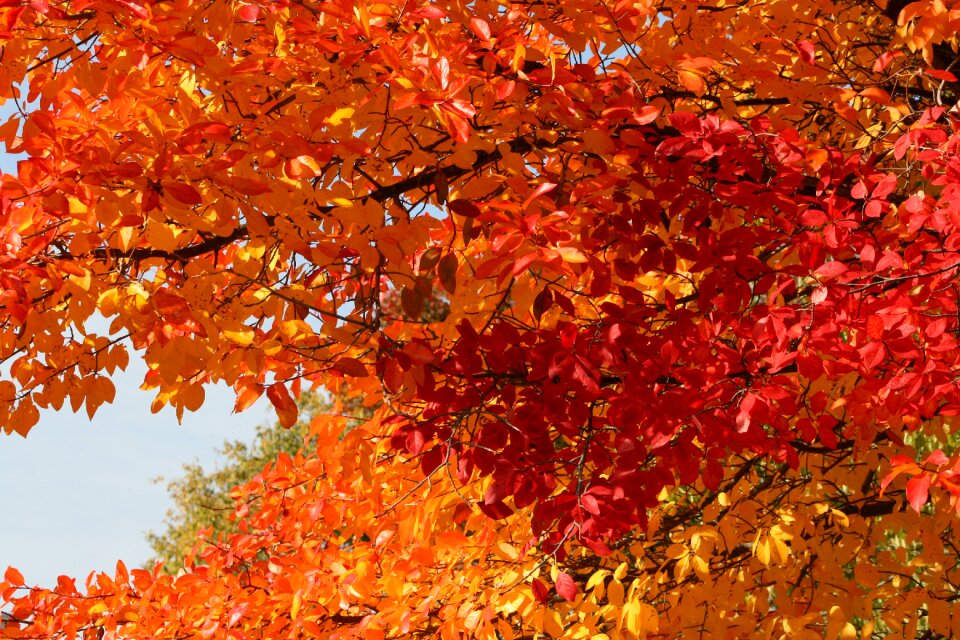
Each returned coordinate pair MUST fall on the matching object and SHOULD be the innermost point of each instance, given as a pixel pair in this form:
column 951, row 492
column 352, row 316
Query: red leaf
column 497, row 510
column 480, row 28
column 137, row 9
column 505, row 89
column 566, row 588
column 936, row 328
column 883, row 60
column 590, row 504
column 542, row 302
column 712, row 474
column 464, row 207
column 918, row 491
column 685, row 122
column 939, row 74
column 540, row 591
column 885, row 187
column 430, row 13
column 871, row 355
column 411, row 302
column 743, row 416
column 902, row 145
column 546, row 187
column 246, row 396
column 461, row 108
column 647, row 114
column 414, row 441
column 830, row 269
column 807, row 51
column 249, row 12
column 584, row 373
column 183, row 192
column 169, row 304
column 875, row 327
column 350, row 367
column 213, row 131
column 938, row 458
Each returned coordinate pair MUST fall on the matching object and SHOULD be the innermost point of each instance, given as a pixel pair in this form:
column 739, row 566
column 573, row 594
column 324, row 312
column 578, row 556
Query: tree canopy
column 202, row 503
column 653, row 305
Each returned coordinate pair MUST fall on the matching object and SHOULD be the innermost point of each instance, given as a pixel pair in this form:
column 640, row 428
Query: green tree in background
column 201, row 497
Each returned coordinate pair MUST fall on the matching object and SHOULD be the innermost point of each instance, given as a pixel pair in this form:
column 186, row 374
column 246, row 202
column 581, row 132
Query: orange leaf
column 692, row 81
column 283, row 403
column 247, row 396
column 13, row 577
column 876, row 94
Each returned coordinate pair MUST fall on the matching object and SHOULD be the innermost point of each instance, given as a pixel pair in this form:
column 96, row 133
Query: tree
column 201, row 497
column 696, row 369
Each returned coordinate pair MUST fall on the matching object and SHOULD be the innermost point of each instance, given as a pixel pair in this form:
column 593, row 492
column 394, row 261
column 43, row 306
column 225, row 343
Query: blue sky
column 78, row 495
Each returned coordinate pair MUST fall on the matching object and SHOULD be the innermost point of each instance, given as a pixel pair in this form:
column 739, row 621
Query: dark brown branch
column 179, row 255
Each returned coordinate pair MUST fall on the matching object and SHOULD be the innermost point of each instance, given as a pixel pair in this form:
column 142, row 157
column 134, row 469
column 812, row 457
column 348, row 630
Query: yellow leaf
column 129, row 614
column 597, row 578
column 77, row 209
column 780, row 539
column 295, row 605
column 507, row 551
column 295, row 329
column 188, row 82
column 472, row 620
column 82, row 281
column 571, row 254
column 519, row 55
column 761, row 549
column 639, row 618
column 271, row 347
column 243, row 336
column 621, row 571
column 341, row 114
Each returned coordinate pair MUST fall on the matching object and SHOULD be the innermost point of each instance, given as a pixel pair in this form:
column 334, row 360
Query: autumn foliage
column 655, row 306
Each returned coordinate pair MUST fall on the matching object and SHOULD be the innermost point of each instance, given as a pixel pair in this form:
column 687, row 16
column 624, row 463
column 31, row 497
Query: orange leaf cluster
column 658, row 303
